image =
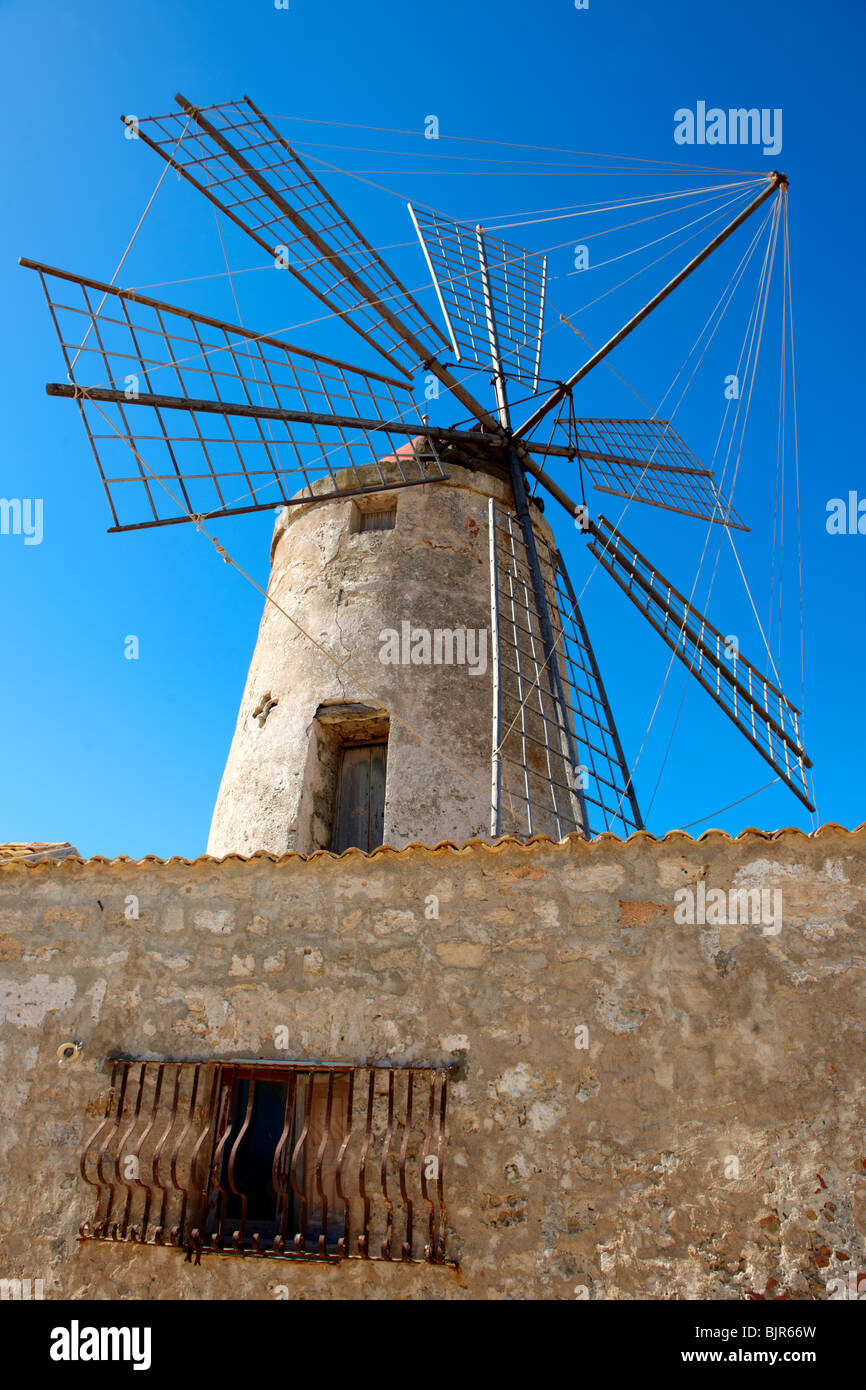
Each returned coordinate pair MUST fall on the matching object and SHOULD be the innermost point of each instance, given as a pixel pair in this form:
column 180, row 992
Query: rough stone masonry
column 644, row 1109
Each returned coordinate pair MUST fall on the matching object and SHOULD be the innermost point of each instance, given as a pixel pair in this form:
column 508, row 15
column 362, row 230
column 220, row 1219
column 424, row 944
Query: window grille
column 321, row 1161
column 380, row 520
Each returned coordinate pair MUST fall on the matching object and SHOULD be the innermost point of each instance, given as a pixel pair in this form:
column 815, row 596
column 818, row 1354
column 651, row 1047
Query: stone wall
column 707, row 1141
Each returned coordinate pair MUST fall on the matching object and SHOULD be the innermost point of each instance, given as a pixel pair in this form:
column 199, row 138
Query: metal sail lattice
column 135, row 364
column 645, row 461
column 233, row 155
column 537, row 788
column 757, row 707
column 489, row 292
column 610, row 800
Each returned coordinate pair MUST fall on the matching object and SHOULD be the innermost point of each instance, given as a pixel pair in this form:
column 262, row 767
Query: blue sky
column 125, row 756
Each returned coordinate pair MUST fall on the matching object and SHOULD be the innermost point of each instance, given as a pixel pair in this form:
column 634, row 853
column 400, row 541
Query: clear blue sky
column 125, row 756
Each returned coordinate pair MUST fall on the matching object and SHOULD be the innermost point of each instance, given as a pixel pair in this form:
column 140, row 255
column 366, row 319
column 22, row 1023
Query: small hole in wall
column 264, row 708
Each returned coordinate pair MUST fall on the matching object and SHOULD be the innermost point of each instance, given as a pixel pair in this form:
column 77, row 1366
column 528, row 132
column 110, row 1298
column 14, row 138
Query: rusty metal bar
column 121, row 1144
column 280, row 1170
column 440, row 1189
column 176, row 1233
column 104, row 1148
column 406, row 1247
column 212, row 1112
column 320, row 1158
column 383, row 1171
column 364, row 1237
column 300, row 1240
column 425, row 1156
column 148, row 1195
column 343, row 1242
column 297, row 1065
column 96, row 1182
column 224, row 1127
column 159, row 1233
column 238, row 1236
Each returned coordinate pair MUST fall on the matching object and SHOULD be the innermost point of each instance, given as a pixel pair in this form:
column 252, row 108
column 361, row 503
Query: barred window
column 373, row 514
column 378, row 520
column 324, row 1161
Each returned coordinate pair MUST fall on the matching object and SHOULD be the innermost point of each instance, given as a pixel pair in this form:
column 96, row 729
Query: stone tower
column 396, row 587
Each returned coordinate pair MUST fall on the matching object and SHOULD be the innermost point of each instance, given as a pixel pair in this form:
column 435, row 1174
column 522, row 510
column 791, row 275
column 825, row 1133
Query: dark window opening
column 270, row 1158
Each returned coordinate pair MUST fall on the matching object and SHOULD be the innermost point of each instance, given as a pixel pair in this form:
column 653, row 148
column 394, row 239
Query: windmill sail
column 647, row 461
column 489, row 293
column 758, row 708
column 611, row 801
column 188, row 415
column 538, row 788
column 235, row 157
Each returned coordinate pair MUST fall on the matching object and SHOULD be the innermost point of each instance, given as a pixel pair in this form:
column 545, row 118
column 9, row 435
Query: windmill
column 250, row 421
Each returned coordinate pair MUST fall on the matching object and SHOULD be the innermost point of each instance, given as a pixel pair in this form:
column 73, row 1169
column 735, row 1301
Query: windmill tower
column 423, row 670
column 397, row 585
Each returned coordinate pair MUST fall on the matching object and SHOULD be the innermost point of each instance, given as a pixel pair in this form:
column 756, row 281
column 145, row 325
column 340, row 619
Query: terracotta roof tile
column 37, row 850
column 35, row 858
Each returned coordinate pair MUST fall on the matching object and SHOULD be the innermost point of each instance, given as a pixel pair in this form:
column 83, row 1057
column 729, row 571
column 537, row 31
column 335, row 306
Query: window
column 359, row 808
column 373, row 515
column 378, row 521
column 262, row 1122
column 343, row 798
column 300, row 1160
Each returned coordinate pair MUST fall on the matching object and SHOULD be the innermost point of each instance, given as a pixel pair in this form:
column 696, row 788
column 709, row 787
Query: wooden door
column 359, row 814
